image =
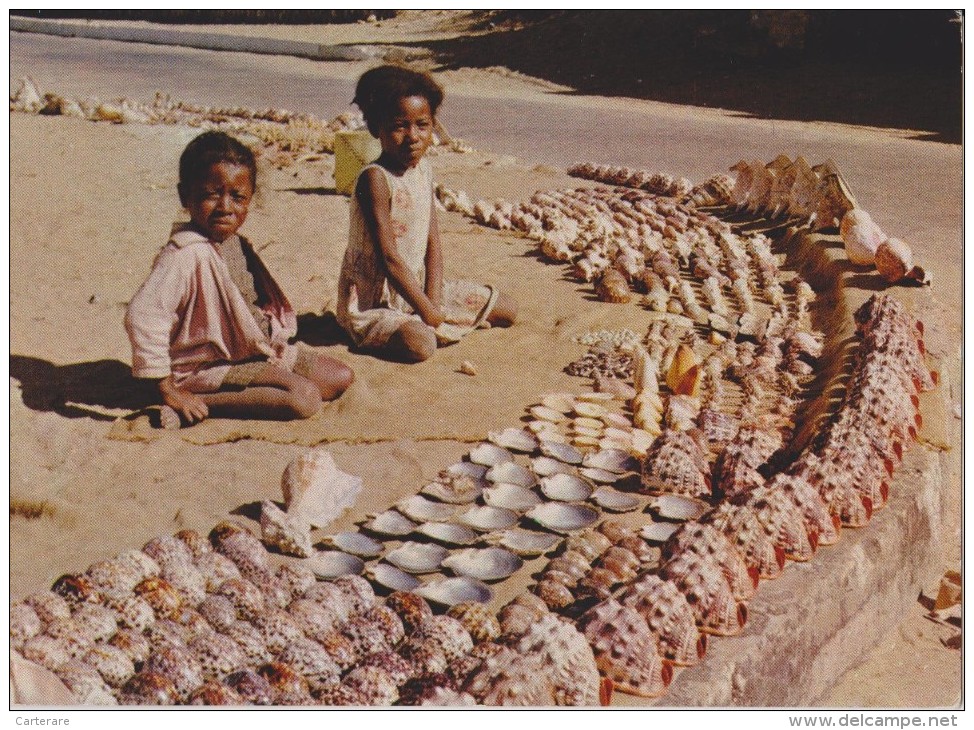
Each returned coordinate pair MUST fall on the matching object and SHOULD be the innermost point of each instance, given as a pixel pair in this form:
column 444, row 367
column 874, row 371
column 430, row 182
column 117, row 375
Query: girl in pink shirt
column 210, row 324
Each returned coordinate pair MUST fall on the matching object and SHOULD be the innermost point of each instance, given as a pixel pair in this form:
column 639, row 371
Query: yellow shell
column 683, row 377
column 893, row 259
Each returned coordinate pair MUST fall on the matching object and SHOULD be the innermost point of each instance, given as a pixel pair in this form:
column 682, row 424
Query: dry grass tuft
column 30, row 509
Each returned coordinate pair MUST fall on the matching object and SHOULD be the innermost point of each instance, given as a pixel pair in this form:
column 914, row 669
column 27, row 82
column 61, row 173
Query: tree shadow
column 66, row 389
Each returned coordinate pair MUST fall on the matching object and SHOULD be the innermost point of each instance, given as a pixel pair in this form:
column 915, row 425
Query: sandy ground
column 91, row 204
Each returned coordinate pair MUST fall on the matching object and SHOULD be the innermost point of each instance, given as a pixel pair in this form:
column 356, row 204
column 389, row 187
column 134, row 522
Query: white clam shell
column 485, row 519
column 524, row 542
column 448, row 533
column 545, row 466
column 356, row 543
column 658, row 532
column 452, row 591
column 544, row 413
column 600, row 476
column 563, row 518
column 419, row 509
column 559, row 402
column 493, row 563
column 511, row 473
column 613, row 500
column 542, row 428
column 466, row 469
column 616, row 420
column 589, row 410
column 391, row 523
column 562, row 452
column 417, row 557
column 490, row 454
column 333, row 564
column 566, row 488
column 594, row 397
column 515, row 439
column 389, row 576
column 674, row 507
column 585, row 423
column 614, row 460
column 511, row 496
column 456, row 490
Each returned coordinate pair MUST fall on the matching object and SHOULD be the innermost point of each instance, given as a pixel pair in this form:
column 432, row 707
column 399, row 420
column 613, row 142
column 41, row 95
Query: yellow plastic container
column 353, row 151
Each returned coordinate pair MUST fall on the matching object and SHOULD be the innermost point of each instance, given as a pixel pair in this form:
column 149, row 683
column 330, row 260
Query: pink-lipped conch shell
column 894, row 259
column 861, row 236
column 315, row 490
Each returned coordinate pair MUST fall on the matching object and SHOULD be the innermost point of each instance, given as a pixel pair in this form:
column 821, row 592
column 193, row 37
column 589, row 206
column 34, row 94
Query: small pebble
column 467, row 368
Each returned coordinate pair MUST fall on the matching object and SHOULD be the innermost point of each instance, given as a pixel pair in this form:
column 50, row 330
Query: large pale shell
column 545, row 413
column 416, row 557
column 456, row 489
column 290, row 535
column 566, row 488
column 447, row 533
column 356, row 543
column 452, row 591
column 675, row 507
column 490, row 454
column 511, row 473
column 334, row 564
column 600, row 476
column 467, row 469
column 558, row 402
column 568, row 657
column 316, row 490
column 614, row 460
column 515, row 439
column 488, row 564
column 524, row 542
column 391, row 577
column 861, row 236
column 511, row 496
column 613, row 500
column 419, row 509
column 390, row 523
column 563, row 518
column 894, row 259
column 562, row 452
column 658, row 532
column 545, row 466
column 485, row 519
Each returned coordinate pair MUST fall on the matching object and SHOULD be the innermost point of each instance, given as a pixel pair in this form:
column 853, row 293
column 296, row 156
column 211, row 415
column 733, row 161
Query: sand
column 91, row 204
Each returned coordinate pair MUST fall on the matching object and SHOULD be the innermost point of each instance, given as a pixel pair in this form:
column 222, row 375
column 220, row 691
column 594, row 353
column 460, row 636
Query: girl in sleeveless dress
column 391, row 295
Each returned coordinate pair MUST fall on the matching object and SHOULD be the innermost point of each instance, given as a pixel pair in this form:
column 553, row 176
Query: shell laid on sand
column 355, row 543
column 515, row 439
column 614, row 460
column 668, row 616
column 545, row 466
column 411, row 608
column 658, row 532
column 392, row 578
column 48, row 606
column 448, row 533
column 563, row 518
column 524, row 542
column 511, row 473
column 511, row 496
column 562, row 452
column 566, row 488
column 315, row 490
column 675, row 507
column 391, row 523
column 612, row 500
column 466, row 469
column 334, row 564
column 894, row 260
column 612, row 287
column 711, row 544
column 489, row 454
column 599, row 476
column 487, row 564
column 479, row 621
column 416, row 557
column 508, row 678
column 419, row 509
column 486, row 519
column 218, row 655
column 861, row 236
column 590, row 544
column 290, row 535
column 452, row 591
column 567, row 657
column 558, row 402
column 456, row 489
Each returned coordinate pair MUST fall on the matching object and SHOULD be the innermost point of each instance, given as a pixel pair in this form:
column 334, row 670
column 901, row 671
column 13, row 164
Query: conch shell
column 315, row 490
column 683, row 377
column 861, row 236
column 894, row 259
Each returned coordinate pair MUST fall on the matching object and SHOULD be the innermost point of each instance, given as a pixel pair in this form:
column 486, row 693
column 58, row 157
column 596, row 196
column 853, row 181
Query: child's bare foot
column 169, row 418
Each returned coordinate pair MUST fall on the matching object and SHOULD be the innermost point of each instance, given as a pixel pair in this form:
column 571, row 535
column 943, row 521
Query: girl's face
column 218, row 202
column 409, row 133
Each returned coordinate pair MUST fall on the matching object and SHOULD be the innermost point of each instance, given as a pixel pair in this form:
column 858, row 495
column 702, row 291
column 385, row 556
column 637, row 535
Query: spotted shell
column 218, row 611
column 218, row 655
column 568, row 658
column 589, row 544
column 511, row 679
column 250, row 640
column 242, row 547
column 613, row 287
column 744, row 530
column 188, row 581
column 366, row 636
column 179, row 665
column 399, row 669
column 114, row 665
column 516, row 619
column 215, row 694
column 86, row 684
column 337, row 695
column 711, row 544
column 76, row 589
column 625, row 650
column 114, row 576
column 449, row 632
column 314, row 619
column 411, row 609
column 555, row 595
column 216, row 568
column 374, row 685
column 245, row 597
column 419, row 689
column 48, row 606
column 311, row 660
column 425, row 655
column 388, row 623
column 706, row 589
column 668, row 616
column 130, row 611
column 296, row 578
column 168, row 551
column 340, row 648
column 75, row 637
column 328, row 594
column 251, row 686
column 479, row 621
column 24, row 624
column 149, row 688
column 140, row 563
column 48, row 651
column 166, row 632
column 670, row 467
column 818, row 519
column 100, row 621
column 133, row 643
column 277, row 629
column 197, row 544
column 159, row 593
column 357, row 590
column 783, row 523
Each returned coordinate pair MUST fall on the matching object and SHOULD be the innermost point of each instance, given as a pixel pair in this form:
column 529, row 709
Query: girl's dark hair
column 207, row 150
column 379, row 90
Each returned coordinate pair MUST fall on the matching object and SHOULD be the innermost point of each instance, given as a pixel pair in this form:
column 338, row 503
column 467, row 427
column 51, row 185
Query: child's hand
column 433, row 317
column 189, row 405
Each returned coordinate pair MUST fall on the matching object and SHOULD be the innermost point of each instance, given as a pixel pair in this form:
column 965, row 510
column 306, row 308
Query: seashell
column 197, row 544
column 485, row 519
column 334, row 564
column 546, row 413
column 508, row 678
column 245, row 597
column 893, row 259
column 668, row 616
column 357, row 591
column 658, row 532
column 449, row 633
column 310, row 659
column 613, row 287
column 558, row 402
column 545, row 466
column 288, row 687
column 861, row 236
column 562, row 452
column 48, row 606
column 114, row 576
column 355, row 543
column 149, row 688
column 415, row 557
column 86, row 684
column 24, row 624
column 465, row 468
column 523, row 542
column 188, row 581
column 214, row 693
column 706, row 589
column 511, row 473
column 179, row 666
column 238, row 543
column 251, row 641
column 165, row 600
column 447, row 533
column 625, row 650
column 101, row 622
column 219, row 611
column 284, row 532
column 315, row 490
column 514, row 439
column 218, row 655
column 390, row 523
column 613, row 460
column 600, row 476
column 373, row 685
column 566, row 657
column 277, row 629
column 589, row 544
column 251, row 686
column 459, row 489
column 566, row 488
column 712, row 545
column 612, row 500
column 490, row 454
column 675, row 507
column 295, row 578
column 683, row 376
column 425, row 655
column 467, row 368
column 423, row 689
column 487, row 564
column 216, row 568
column 48, row 651
column 618, row 389
column 451, row 591
column 675, row 464
column 399, row 668
column 477, row 619
column 563, row 518
column 511, row 496
column 168, row 550
column 76, row 589
column 598, row 582
column 419, row 509
column 166, row 632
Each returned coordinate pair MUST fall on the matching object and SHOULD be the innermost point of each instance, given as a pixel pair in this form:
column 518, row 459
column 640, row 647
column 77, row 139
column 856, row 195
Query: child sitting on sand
column 391, row 293
column 210, row 324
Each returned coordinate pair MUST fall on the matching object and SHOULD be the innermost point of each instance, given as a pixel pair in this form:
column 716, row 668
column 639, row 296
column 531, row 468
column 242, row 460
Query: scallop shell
column 613, row 460
column 390, row 523
column 511, row 473
column 514, row 439
column 485, row 519
column 524, row 542
column 355, row 543
column 490, row 454
column 447, row 533
column 566, row 488
column 675, row 507
column 612, row 500
column 333, row 564
column 459, row 489
column 315, row 490
column 545, row 466
column 487, row 564
column 415, row 557
column 419, row 509
column 562, row 452
column 511, row 496
column 452, row 591
column 563, row 518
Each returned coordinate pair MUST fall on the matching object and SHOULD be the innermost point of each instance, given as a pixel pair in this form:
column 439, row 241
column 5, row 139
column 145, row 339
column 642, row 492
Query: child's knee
column 419, row 342
column 304, row 399
column 340, row 378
